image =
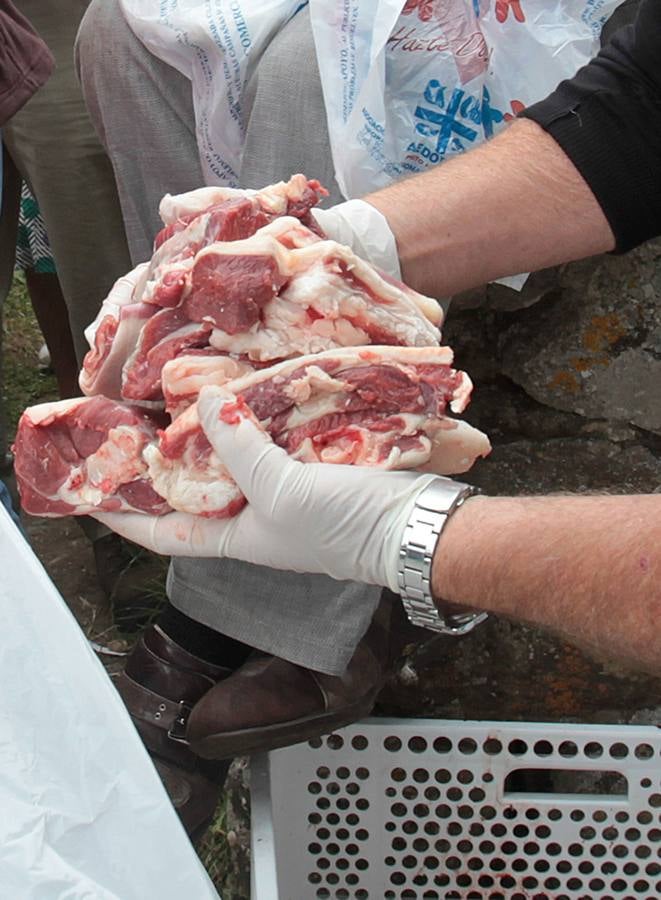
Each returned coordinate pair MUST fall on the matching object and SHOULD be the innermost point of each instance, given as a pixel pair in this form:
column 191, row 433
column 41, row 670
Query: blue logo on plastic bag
column 452, row 123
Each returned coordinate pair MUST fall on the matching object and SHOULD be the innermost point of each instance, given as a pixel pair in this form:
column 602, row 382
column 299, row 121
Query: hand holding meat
column 357, row 515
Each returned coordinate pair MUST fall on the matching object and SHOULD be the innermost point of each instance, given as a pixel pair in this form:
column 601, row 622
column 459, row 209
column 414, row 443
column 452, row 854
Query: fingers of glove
column 258, row 466
column 363, row 228
column 174, row 534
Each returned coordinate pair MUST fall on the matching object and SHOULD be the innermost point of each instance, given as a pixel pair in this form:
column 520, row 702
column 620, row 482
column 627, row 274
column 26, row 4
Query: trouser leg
column 53, row 144
column 313, row 621
column 143, row 113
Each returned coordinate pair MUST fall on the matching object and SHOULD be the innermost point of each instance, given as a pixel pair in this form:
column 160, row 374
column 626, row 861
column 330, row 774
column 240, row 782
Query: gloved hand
column 342, row 521
column 363, row 228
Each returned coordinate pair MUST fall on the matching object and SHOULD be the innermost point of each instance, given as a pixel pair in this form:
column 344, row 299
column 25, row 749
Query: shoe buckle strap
column 177, row 731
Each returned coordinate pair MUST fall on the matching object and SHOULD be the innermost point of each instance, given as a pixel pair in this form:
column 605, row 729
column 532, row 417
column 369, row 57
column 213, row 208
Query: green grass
column 24, row 382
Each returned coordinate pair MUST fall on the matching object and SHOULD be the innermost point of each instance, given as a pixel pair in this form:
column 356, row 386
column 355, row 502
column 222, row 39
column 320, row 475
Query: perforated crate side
column 425, row 809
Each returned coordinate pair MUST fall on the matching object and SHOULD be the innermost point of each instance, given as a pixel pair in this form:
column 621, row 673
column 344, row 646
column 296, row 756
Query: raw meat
column 377, row 406
column 75, row 456
column 282, row 292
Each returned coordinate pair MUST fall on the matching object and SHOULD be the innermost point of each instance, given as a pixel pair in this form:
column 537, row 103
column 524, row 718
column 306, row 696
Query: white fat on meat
column 275, row 197
column 184, row 377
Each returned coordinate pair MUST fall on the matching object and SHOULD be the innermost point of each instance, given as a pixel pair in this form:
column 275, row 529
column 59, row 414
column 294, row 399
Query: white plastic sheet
column 83, row 814
column 214, row 43
column 407, row 85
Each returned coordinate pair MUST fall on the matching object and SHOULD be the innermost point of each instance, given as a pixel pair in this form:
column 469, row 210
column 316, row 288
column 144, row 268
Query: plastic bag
column 408, row 85
column 84, row 814
column 215, row 45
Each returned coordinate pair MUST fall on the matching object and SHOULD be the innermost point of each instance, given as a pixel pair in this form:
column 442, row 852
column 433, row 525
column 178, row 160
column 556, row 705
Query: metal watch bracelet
column 433, row 507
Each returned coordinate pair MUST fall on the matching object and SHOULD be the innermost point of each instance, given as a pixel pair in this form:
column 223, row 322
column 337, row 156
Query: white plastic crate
column 406, row 808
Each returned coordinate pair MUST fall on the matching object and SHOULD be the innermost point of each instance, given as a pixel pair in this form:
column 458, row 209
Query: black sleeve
column 607, row 119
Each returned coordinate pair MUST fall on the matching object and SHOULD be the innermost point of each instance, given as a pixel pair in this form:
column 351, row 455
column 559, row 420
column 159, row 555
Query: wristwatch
column 433, row 507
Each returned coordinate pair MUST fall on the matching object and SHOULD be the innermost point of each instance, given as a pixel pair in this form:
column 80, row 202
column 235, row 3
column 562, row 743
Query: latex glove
column 363, row 228
column 342, row 521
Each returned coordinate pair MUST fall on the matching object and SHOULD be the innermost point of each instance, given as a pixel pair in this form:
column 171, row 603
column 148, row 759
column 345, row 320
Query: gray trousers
column 51, row 144
column 143, row 112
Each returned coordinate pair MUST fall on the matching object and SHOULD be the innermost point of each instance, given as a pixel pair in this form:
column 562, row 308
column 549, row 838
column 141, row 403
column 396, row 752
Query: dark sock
column 200, row 640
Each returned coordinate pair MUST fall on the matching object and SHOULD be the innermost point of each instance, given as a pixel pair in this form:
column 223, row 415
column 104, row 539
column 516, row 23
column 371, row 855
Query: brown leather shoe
column 270, row 702
column 159, row 685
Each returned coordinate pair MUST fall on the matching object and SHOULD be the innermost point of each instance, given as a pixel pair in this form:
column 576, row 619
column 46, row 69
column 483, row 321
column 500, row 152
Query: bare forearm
column 587, row 568
column 516, row 204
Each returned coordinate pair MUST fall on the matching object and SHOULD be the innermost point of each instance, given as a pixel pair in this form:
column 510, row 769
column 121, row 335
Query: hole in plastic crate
column 464, row 776
column 487, row 777
column 476, row 795
column 655, row 801
column 642, row 852
column 342, row 773
column 335, row 742
column 398, row 774
column 543, row 748
column 654, row 834
column 577, row 815
column 644, row 751
column 409, row 792
column 455, row 794
column 588, row 832
column 566, row 781
column 432, row 828
column 454, row 828
column 488, row 812
column 593, row 750
column 467, row 746
column 417, row 744
column 598, row 850
column 621, row 816
column 542, row 831
column 632, row 834
column 432, row 793
column 492, row 746
column 517, row 747
column 646, row 782
column 599, row 815
column 442, row 776
column 359, row 742
column 568, row 749
column 475, row 829
column 420, row 776
column 362, row 773
column 392, row 743
column 410, row 827
column 442, row 745
column 619, row 750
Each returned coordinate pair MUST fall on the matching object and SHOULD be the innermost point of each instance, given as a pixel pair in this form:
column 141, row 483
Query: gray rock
column 567, row 464
column 594, row 347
